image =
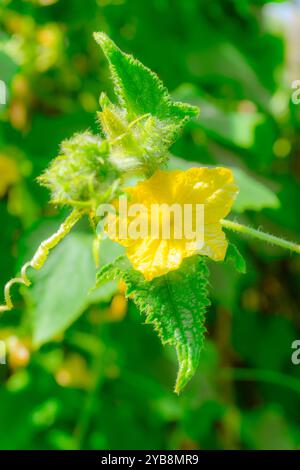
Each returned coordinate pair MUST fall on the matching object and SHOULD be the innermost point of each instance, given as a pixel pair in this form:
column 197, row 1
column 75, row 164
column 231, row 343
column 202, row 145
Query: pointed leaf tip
column 104, row 42
column 177, row 313
column 140, row 90
column 143, row 104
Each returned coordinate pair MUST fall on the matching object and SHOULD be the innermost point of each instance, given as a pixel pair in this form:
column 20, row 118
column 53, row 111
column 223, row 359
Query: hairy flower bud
column 82, row 174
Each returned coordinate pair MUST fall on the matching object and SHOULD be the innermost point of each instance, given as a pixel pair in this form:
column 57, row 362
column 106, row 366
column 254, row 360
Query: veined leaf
column 145, row 121
column 174, row 303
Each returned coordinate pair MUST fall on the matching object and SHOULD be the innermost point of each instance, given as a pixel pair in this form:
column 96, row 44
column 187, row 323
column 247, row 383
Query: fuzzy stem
column 39, row 258
column 266, row 237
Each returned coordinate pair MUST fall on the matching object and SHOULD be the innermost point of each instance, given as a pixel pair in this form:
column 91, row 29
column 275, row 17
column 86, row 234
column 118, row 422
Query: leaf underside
column 174, row 304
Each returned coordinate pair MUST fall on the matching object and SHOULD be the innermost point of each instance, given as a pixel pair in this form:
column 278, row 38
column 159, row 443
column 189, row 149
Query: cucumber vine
column 137, row 130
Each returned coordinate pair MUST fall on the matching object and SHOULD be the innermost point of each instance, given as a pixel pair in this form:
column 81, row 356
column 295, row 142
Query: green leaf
column 255, row 426
column 8, row 66
column 233, row 128
column 60, row 290
column 233, row 254
column 253, row 195
column 138, row 89
column 174, row 303
column 63, row 289
column 145, row 121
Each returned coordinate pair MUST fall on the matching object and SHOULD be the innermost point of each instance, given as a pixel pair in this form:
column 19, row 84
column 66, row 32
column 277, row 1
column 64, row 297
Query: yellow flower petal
column 156, row 257
column 212, row 187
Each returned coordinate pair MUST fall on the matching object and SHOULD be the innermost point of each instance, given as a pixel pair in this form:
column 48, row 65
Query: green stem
column 266, row 237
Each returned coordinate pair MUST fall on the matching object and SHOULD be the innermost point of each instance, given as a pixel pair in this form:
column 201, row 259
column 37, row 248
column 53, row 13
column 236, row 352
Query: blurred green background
column 82, row 370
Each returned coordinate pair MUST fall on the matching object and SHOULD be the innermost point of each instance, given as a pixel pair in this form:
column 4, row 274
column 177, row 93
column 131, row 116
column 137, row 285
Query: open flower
column 153, row 254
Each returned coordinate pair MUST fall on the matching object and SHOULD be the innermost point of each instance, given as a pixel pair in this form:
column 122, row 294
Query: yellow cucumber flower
column 154, row 255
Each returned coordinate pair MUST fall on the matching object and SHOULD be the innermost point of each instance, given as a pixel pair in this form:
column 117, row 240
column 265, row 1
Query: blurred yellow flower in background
column 9, row 174
column 213, row 187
